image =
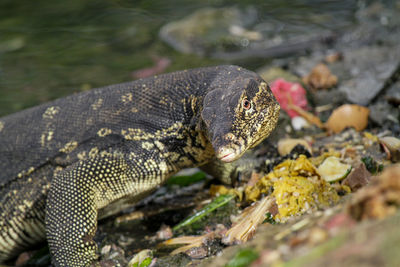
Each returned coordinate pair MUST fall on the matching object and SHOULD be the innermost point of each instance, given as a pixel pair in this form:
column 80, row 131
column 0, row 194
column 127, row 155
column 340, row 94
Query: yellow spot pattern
column 96, row 105
column 46, row 137
column 93, row 152
column 147, row 145
column 137, row 134
column 51, row 112
column 126, row 98
column 104, row 132
column 69, row 147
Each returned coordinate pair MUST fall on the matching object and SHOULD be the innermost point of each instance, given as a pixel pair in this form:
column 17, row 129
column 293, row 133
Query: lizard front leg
column 75, row 196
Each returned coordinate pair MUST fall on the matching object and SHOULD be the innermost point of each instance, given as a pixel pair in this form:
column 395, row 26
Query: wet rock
column 236, row 34
column 210, row 29
column 393, row 93
column 382, row 113
column 377, row 23
column 370, row 54
column 304, row 64
column 369, row 68
column 385, row 110
column 362, row 73
column 325, row 97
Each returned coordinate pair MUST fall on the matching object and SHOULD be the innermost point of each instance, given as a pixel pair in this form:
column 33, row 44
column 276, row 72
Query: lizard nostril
column 229, row 137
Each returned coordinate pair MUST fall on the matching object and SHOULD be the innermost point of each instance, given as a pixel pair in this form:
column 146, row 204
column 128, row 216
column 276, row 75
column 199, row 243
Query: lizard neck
column 168, row 115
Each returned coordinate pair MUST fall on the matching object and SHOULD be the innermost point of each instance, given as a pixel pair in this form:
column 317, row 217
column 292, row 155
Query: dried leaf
column 334, row 57
column 311, row 118
column 320, row 77
column 192, row 241
column 248, row 221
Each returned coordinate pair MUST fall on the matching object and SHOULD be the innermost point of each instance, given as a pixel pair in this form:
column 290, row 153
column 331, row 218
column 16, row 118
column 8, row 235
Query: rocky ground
column 359, row 66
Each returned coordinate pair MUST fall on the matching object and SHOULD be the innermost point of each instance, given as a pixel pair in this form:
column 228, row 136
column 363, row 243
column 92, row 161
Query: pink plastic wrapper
column 283, row 89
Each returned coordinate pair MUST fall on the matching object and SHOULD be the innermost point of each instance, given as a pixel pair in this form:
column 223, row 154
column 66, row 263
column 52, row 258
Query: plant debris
column 142, row 259
column 391, row 146
column 371, row 165
column 320, row 77
column 332, row 170
column 192, row 242
column 297, row 187
column 216, row 203
column 243, row 258
column 358, row 177
column 379, row 199
column 185, row 180
column 248, row 221
column 348, row 115
column 286, row 145
column 285, row 208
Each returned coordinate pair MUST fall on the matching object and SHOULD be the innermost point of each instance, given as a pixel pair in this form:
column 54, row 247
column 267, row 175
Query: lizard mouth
column 229, row 154
column 231, row 150
column 228, row 157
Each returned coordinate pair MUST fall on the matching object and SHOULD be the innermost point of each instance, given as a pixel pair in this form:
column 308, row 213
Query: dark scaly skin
column 67, row 163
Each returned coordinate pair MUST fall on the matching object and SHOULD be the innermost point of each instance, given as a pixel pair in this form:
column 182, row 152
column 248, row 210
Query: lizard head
column 239, row 117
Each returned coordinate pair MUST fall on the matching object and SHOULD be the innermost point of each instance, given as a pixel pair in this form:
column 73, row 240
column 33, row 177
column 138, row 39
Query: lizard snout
column 226, row 154
column 232, row 149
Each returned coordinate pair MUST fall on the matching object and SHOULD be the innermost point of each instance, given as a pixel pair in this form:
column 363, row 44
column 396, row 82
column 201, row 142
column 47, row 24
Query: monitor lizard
column 67, row 163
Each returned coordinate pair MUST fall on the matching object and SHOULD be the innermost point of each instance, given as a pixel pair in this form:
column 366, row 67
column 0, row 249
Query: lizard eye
column 246, row 104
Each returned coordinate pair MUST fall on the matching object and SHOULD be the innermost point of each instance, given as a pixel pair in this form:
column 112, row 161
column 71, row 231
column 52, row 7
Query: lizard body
column 66, row 163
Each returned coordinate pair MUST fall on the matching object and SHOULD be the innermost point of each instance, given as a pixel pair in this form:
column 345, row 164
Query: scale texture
column 69, row 162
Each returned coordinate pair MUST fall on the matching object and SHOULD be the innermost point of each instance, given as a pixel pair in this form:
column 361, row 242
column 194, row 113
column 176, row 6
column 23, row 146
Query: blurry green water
column 50, row 48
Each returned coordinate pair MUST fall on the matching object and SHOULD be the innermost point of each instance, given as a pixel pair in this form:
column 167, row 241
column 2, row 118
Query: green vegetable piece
column 243, row 258
column 146, row 262
column 185, row 180
column 269, row 218
column 371, row 165
column 215, row 204
column 332, row 170
column 141, row 259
